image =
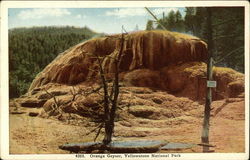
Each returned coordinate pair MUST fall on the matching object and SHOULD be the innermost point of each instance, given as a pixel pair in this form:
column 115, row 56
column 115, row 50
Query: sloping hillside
column 31, row 49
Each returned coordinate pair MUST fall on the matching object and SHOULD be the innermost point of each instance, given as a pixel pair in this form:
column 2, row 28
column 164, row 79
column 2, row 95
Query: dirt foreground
column 36, row 135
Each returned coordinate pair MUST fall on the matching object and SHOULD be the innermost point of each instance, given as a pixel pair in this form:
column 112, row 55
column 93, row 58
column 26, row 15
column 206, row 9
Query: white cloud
column 165, row 10
column 39, row 13
column 125, row 12
column 79, row 16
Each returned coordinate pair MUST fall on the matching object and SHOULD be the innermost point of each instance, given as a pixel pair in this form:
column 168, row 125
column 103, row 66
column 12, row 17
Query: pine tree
column 179, row 22
column 170, row 19
column 149, row 25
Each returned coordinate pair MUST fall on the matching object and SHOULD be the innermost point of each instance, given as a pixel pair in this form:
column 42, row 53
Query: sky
column 102, row 20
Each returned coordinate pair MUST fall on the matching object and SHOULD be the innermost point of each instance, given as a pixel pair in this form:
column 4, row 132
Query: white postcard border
column 4, row 98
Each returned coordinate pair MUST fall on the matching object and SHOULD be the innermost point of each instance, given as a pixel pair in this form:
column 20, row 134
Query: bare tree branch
column 229, row 54
column 99, row 131
column 226, row 21
column 93, row 130
column 57, row 107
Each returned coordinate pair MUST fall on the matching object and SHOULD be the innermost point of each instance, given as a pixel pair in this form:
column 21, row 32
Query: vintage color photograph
column 126, row 80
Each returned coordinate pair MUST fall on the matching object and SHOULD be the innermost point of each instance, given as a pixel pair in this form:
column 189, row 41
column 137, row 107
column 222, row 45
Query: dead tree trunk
column 205, row 131
column 108, row 131
column 113, row 97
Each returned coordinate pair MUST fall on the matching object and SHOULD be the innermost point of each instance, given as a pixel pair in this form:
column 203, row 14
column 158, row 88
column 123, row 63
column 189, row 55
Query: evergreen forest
column 227, row 31
column 31, row 49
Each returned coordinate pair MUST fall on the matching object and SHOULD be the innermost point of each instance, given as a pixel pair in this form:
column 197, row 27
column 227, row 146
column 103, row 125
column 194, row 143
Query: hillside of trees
column 227, row 32
column 31, row 49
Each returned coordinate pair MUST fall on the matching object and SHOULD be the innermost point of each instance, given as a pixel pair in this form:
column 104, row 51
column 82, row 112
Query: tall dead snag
column 110, row 96
column 109, row 124
column 108, row 130
column 205, row 130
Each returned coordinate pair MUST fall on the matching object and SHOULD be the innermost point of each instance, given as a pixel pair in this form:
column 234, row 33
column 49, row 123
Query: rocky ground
column 154, row 116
